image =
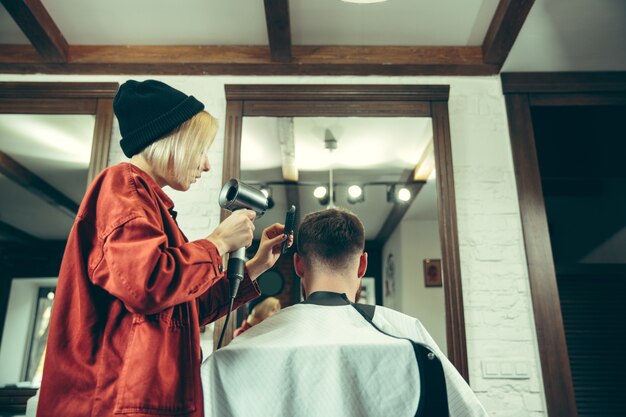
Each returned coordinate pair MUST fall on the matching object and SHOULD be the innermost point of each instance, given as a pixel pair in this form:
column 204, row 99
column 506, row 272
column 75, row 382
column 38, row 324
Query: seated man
column 330, row 357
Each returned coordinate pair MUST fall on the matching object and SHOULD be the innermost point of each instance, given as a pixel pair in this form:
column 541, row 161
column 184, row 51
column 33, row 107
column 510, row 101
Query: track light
column 355, row 194
column 398, row 195
column 321, row 193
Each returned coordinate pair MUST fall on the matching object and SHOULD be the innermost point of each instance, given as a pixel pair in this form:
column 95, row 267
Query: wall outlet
column 503, row 369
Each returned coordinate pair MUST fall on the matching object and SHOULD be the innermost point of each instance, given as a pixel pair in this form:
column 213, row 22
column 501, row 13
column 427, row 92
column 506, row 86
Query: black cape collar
column 327, row 298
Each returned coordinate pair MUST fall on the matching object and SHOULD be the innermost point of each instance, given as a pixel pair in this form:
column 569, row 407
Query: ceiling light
column 398, row 195
column 404, row 194
column 355, row 194
column 320, row 192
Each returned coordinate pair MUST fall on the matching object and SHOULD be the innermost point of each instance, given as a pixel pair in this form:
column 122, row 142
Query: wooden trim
column 238, row 98
column 5, row 292
column 577, row 99
column 46, row 90
column 230, row 169
column 448, row 231
column 553, row 353
column 101, row 142
column 563, row 82
column 16, row 234
column 47, row 106
column 336, row 108
column 33, row 18
column 340, row 92
column 506, row 24
column 278, row 29
column 251, row 60
column 33, row 183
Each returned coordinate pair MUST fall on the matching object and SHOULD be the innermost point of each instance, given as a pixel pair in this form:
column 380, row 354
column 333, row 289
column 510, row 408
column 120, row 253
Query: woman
column 132, row 290
column 260, row 309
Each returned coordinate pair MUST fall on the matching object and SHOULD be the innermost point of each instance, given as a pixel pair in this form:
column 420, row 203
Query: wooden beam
column 278, row 29
column 252, row 60
column 33, row 18
column 14, row 234
column 563, row 82
column 503, row 30
column 285, row 136
column 28, row 180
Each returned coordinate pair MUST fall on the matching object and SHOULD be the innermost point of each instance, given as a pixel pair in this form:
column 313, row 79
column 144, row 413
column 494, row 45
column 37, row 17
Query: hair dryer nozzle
column 237, row 195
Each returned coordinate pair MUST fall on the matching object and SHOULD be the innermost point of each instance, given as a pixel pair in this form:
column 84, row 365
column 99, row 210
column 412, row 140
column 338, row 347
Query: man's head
column 330, row 253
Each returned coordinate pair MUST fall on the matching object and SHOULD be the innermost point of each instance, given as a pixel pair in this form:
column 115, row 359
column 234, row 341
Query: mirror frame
column 313, row 100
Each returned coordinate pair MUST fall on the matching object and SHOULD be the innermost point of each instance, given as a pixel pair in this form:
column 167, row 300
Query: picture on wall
column 432, row 273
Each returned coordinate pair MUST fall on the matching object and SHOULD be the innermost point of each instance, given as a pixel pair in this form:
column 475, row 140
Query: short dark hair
column 331, row 236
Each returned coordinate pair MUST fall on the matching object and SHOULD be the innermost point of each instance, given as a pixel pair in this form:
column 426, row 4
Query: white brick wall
column 498, row 311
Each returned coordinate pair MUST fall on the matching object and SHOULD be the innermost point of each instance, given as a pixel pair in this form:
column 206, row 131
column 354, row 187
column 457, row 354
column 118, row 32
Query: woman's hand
column 233, row 233
column 269, row 250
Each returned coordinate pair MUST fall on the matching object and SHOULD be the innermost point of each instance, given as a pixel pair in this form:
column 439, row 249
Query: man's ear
column 298, row 264
column 362, row 264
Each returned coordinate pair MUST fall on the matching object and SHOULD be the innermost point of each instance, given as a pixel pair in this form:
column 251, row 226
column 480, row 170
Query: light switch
column 502, row 369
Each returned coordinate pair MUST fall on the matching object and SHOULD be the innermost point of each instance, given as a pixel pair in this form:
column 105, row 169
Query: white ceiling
column 56, row 148
column 369, row 149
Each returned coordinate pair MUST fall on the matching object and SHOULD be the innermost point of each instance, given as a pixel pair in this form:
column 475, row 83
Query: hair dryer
column 236, row 195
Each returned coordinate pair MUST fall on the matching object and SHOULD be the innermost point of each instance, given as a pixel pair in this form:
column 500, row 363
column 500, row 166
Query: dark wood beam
column 28, row 180
column 12, row 233
column 251, row 60
column 40, row 258
column 503, row 30
column 563, row 82
column 33, row 18
column 278, row 29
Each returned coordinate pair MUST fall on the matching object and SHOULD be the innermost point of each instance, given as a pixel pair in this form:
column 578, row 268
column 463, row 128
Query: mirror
column 371, row 161
column 274, row 131
column 54, row 138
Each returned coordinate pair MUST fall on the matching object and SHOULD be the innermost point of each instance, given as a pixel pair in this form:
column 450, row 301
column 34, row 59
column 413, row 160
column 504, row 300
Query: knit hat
column 148, row 110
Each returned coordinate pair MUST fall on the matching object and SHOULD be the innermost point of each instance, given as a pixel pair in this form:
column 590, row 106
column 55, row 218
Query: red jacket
column 131, row 295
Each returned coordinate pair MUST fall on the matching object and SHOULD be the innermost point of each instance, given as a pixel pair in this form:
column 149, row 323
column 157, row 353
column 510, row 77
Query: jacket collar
column 327, row 298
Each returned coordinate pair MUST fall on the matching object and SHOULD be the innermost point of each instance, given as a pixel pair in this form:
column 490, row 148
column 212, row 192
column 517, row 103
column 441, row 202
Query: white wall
column 412, row 242
column 18, row 326
column 498, row 312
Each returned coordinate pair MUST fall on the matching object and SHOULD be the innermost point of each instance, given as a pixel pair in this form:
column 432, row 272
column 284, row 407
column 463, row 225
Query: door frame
column 523, row 91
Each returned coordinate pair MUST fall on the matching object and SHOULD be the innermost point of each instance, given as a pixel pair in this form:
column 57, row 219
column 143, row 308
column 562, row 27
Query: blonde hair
column 265, row 308
column 182, row 149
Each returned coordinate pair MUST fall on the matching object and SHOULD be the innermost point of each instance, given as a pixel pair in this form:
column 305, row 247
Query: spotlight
column 399, row 195
column 321, row 193
column 355, row 194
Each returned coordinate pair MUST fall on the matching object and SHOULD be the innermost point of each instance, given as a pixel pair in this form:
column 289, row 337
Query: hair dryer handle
column 236, row 266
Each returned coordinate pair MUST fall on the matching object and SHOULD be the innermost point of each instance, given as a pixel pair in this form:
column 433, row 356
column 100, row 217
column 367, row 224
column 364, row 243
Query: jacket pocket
column 157, row 375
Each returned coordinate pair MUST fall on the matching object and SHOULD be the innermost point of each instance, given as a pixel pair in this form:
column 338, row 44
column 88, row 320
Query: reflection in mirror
column 44, row 164
column 382, row 169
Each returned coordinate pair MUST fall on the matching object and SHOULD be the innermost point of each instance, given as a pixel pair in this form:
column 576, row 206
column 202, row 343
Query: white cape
column 314, row 360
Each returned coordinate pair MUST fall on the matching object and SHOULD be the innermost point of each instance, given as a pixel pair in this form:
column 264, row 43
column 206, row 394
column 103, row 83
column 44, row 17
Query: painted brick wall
column 498, row 311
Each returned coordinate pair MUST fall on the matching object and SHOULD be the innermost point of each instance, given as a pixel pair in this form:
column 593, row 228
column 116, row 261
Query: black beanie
column 148, row 110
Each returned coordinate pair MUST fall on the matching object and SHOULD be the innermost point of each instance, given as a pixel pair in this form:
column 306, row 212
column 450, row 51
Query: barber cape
column 322, row 357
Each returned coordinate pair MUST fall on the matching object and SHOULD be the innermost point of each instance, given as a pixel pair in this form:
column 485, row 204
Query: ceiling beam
column 251, row 60
column 503, row 30
column 278, row 29
column 12, row 233
column 30, row 181
column 33, row 18
column 285, row 136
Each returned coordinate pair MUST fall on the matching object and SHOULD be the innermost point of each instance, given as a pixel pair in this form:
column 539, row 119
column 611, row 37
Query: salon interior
column 479, row 142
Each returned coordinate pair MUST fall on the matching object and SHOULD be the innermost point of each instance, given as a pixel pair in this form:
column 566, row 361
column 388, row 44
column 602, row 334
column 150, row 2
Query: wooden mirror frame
column 365, row 101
